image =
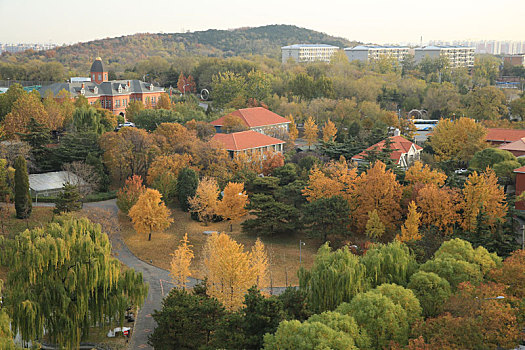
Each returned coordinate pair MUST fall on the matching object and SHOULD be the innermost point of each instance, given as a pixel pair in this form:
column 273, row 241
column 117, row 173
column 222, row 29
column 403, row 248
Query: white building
column 368, row 53
column 308, row 52
column 458, row 56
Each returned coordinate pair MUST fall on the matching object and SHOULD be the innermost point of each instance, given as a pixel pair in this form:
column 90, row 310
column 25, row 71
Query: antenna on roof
column 421, row 41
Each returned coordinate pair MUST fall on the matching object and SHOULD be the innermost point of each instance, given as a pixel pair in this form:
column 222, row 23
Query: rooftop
column 368, row 47
column 97, row 66
column 400, row 146
column 504, row 135
column 518, row 145
column 298, row 46
column 244, row 140
column 51, row 181
column 106, row 88
column 254, row 117
column 440, row 47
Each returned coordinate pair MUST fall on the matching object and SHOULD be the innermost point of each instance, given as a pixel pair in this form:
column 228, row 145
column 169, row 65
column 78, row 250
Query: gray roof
column 298, row 46
column 439, row 47
column 52, row 181
column 97, row 66
column 367, row 47
column 106, row 88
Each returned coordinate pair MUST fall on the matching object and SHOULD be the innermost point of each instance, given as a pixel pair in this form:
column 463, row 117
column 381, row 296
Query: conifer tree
column 68, row 200
column 23, row 204
column 187, row 182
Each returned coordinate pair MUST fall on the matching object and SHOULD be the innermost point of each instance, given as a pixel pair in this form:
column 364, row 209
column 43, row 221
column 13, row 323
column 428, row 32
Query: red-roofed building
column 517, row 147
column 500, row 136
column 404, row 152
column 258, row 119
column 520, row 186
column 249, row 142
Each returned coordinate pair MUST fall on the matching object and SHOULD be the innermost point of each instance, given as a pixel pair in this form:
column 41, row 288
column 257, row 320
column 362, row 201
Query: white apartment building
column 369, row 53
column 308, row 52
column 458, row 56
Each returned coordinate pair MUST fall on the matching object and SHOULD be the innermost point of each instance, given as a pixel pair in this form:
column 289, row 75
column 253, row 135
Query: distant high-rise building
column 14, row 48
column 458, row 56
column 308, row 52
column 368, row 53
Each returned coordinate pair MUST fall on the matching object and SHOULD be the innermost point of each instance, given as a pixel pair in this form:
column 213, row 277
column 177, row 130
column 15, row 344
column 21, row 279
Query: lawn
column 10, row 225
column 283, row 252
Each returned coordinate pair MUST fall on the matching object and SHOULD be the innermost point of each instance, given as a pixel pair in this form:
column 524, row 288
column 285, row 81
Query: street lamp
column 301, row 243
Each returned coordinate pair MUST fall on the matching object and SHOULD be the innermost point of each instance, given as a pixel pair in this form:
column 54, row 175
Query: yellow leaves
column 336, row 180
column 259, row 261
column 458, row 139
column 377, row 189
column 233, row 203
column 422, row 174
column 169, row 164
column 310, row 131
column 180, row 263
column 27, row 106
column 329, row 131
column 231, row 271
column 439, row 207
column 149, row 213
column 374, row 227
column 484, row 195
column 205, row 202
column 293, row 133
column 410, row 229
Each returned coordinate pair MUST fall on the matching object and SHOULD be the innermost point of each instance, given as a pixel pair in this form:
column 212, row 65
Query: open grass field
column 10, row 225
column 283, row 251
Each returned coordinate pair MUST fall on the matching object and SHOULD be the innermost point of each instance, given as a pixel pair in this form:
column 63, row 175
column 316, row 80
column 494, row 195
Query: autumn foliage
column 232, row 206
column 150, row 214
column 205, row 201
column 181, row 262
column 128, row 195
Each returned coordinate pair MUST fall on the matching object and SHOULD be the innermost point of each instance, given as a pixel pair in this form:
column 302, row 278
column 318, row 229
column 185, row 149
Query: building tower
column 97, row 72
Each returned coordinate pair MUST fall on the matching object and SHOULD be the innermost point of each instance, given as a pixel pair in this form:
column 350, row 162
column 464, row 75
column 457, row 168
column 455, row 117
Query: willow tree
column 334, row 278
column 63, row 279
column 6, row 336
column 389, row 263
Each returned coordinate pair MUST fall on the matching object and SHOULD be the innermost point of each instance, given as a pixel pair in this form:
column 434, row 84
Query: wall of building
column 520, row 187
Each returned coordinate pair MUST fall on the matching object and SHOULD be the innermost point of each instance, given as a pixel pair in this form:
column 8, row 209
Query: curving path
column 157, row 278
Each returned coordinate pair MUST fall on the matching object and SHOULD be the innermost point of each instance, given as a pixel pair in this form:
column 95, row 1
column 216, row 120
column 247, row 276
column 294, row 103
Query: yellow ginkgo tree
column 150, row 214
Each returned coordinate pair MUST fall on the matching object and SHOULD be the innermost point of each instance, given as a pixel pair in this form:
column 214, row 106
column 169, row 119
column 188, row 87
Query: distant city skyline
column 376, row 21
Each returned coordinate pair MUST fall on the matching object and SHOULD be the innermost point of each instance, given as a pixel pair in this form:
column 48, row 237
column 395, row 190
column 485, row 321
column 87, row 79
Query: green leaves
column 63, row 279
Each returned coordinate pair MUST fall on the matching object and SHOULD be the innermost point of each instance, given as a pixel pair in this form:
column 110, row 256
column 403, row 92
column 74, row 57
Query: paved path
column 157, row 278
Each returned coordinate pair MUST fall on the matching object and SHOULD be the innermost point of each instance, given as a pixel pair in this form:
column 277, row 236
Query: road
column 157, row 278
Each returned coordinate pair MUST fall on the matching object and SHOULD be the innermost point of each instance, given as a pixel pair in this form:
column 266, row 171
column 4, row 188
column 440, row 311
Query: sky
column 369, row 21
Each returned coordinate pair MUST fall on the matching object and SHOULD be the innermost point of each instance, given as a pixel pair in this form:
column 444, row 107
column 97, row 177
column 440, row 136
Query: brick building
column 114, row 95
column 248, row 142
column 520, row 186
column 257, row 119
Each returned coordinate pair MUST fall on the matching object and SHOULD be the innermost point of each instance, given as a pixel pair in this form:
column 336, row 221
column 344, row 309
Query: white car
column 130, row 124
column 461, row 171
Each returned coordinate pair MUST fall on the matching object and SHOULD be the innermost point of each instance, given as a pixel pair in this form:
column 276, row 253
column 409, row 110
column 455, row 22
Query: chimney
column 82, row 85
column 397, row 132
column 128, row 83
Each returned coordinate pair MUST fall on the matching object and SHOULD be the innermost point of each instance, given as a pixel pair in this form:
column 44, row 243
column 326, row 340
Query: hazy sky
column 378, row 21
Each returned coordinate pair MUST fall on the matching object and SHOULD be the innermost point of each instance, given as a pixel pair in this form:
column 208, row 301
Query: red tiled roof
column 253, row 117
column 400, row 146
column 504, row 135
column 514, row 146
column 520, row 170
column 239, row 141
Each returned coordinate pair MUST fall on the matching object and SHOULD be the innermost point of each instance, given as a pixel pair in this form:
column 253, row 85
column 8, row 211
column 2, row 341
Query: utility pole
column 301, row 243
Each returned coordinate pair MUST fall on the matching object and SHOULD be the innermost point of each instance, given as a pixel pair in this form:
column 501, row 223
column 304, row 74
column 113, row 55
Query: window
column 100, row 77
column 93, row 76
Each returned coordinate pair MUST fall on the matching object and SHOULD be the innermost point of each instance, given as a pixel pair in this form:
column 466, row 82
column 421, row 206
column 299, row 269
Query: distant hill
column 124, row 51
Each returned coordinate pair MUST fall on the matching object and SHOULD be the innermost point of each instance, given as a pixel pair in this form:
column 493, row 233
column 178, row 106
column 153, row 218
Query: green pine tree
column 68, row 200
column 23, row 204
column 187, row 183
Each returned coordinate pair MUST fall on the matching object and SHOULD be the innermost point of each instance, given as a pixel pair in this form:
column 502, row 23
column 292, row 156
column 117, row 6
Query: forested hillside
column 127, row 50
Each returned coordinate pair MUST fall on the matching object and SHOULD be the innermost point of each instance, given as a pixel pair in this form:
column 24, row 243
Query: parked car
column 129, row 124
column 461, row 171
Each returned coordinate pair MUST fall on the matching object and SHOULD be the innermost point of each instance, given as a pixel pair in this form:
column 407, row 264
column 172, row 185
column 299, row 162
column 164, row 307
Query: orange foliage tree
column 439, row 207
column 233, row 123
column 175, row 138
column 410, row 229
column 205, row 201
column 129, row 194
column 233, row 203
column 163, row 172
column 164, row 102
column 24, row 108
column 150, row 214
column 483, row 194
column 228, row 269
column 422, row 174
column 181, row 262
column 337, row 179
column 270, row 161
column 511, row 273
column 329, row 131
column 377, row 189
